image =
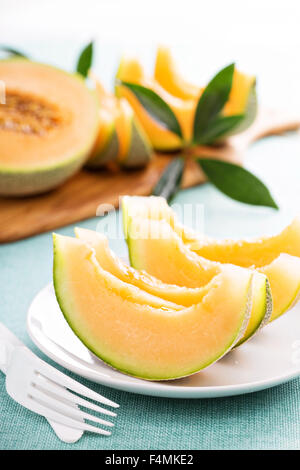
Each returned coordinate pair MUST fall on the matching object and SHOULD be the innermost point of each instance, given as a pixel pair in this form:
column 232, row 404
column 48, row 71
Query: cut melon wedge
column 162, row 139
column 183, row 296
column 120, row 136
column 138, row 339
column 106, row 147
column 256, row 252
column 263, row 254
column 48, row 126
column 166, row 74
column 182, row 98
column 154, row 208
column 134, row 146
column 155, row 248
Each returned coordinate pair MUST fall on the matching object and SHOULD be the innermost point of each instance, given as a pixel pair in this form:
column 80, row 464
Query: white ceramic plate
column 272, row 357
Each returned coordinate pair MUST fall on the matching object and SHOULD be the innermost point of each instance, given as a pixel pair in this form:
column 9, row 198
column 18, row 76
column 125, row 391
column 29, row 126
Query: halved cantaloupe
column 120, row 136
column 48, row 126
column 263, row 254
column 110, row 262
column 154, row 247
column 166, row 74
column 138, row 339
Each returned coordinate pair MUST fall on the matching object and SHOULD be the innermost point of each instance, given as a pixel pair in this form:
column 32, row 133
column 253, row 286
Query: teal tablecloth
column 263, row 420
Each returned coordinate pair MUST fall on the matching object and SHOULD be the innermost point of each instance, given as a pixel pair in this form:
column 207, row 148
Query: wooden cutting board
column 79, row 197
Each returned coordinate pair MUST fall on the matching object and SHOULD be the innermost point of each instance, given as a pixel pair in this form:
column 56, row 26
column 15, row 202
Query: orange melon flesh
column 120, row 136
column 154, row 208
column 284, row 277
column 162, row 139
column 254, row 252
column 111, row 263
column 124, row 116
column 136, row 338
column 166, row 74
column 263, row 254
column 278, row 257
column 64, row 129
column 106, row 147
column 155, row 248
column 181, row 97
column 242, row 85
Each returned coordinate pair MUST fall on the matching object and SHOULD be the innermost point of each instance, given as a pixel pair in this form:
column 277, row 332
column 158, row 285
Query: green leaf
column 220, row 126
column 249, row 114
column 237, row 182
column 155, row 106
column 212, row 101
column 12, row 51
column 85, row 60
column 170, row 181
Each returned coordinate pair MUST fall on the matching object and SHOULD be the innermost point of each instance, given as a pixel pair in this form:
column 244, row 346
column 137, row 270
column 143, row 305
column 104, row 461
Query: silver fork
column 43, row 389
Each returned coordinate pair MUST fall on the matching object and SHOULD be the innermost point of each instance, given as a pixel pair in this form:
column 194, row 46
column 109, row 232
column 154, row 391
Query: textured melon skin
column 154, row 365
column 40, row 180
column 25, row 181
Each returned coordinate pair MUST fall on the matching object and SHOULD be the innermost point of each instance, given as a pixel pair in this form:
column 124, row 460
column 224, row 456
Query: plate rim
column 152, row 388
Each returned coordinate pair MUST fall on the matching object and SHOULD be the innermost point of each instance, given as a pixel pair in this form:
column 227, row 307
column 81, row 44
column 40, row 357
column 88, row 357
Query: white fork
column 43, row 389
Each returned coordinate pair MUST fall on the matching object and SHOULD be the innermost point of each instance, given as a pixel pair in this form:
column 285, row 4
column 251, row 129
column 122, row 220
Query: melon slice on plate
column 48, row 126
column 141, row 340
column 260, row 254
column 110, row 262
column 154, row 208
column 154, row 247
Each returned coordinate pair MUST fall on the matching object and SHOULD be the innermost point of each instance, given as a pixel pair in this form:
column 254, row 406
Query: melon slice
column 154, row 208
column 154, row 247
column 166, row 74
column 111, row 263
column 106, row 148
column 48, row 126
column 182, row 98
column 139, row 339
column 263, row 254
column 162, row 139
column 120, row 136
column 135, row 148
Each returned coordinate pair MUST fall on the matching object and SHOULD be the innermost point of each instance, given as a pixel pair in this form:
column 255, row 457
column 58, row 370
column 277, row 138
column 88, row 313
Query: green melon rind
column 140, row 152
column 39, row 179
column 57, row 269
column 108, row 154
column 290, row 305
column 264, row 317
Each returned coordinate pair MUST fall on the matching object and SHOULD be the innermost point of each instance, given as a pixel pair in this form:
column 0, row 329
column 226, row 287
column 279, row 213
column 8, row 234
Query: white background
column 261, row 36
